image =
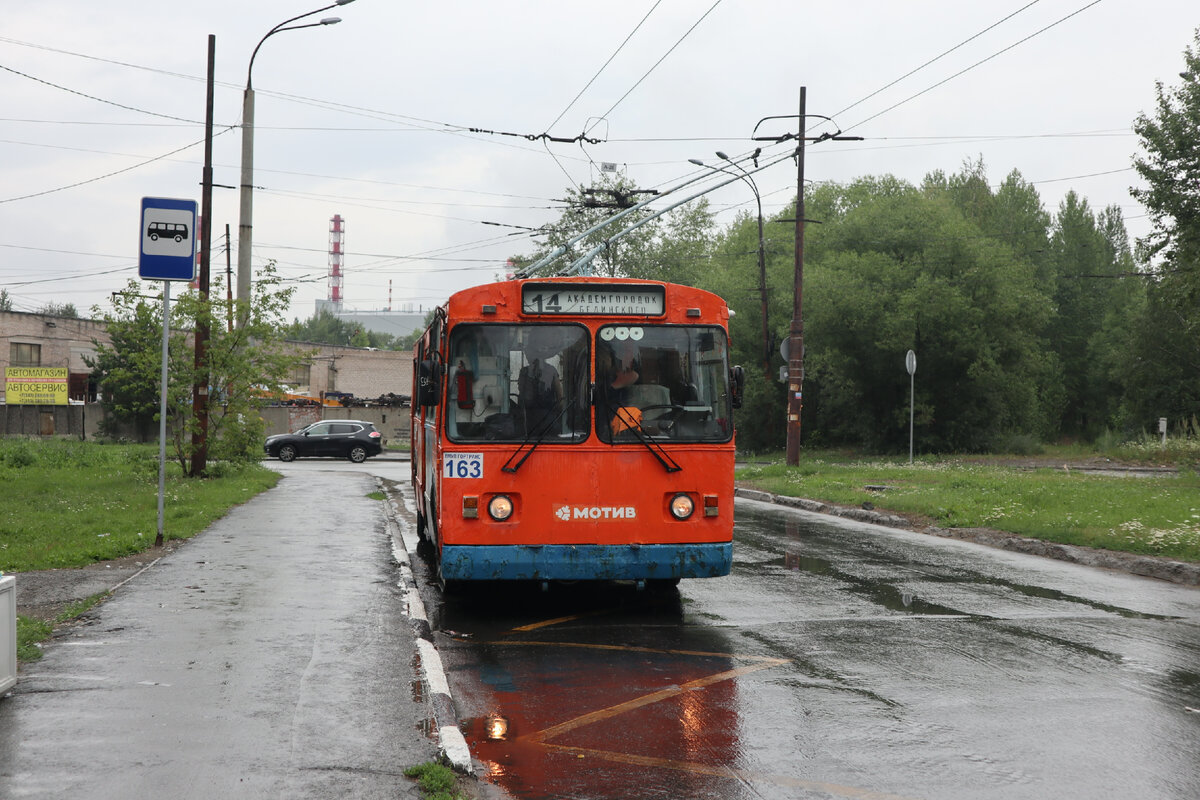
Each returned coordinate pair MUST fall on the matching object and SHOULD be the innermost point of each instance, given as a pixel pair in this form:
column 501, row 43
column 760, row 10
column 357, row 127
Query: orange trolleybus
column 576, row 428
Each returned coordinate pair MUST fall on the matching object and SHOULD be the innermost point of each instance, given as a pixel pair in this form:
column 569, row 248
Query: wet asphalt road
column 838, row 660
column 269, row 657
column 272, row 657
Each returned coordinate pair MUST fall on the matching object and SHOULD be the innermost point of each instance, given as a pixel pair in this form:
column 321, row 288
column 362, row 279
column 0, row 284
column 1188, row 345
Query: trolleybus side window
column 508, row 383
column 669, row 382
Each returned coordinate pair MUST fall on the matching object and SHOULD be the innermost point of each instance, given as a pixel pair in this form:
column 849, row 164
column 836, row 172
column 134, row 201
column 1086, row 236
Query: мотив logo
column 568, row 513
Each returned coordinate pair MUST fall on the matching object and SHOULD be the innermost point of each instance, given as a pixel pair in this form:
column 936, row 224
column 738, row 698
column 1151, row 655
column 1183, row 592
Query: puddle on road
column 882, row 594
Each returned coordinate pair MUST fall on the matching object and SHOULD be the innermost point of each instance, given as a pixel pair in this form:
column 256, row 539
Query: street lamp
column 762, row 264
column 246, row 213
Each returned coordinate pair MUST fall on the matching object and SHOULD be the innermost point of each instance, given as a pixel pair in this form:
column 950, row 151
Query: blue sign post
column 168, row 237
column 168, row 253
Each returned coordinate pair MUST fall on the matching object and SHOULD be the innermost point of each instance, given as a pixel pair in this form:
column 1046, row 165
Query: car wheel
column 287, row 453
column 357, row 454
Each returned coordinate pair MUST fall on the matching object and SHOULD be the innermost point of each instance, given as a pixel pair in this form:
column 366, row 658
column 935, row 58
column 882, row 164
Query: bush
column 17, row 453
column 1021, row 444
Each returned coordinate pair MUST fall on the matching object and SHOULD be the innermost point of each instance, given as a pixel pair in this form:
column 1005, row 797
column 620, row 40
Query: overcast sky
column 370, row 119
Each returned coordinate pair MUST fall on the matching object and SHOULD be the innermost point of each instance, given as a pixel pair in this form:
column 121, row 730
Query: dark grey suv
column 337, row 438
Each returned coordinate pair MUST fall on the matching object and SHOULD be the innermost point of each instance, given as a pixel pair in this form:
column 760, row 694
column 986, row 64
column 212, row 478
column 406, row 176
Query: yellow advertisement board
column 35, row 386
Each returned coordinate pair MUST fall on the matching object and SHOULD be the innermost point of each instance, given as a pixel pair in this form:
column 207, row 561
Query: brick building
column 40, row 340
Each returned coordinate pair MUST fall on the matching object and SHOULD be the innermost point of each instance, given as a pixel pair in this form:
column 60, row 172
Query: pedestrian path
column 268, row 657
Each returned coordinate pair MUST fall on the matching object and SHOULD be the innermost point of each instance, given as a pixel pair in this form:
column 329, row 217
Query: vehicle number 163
column 462, row 465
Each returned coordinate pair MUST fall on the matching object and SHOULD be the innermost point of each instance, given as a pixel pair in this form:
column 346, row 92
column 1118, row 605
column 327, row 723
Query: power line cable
column 98, row 99
column 976, row 64
column 605, row 66
column 938, row 57
column 657, row 63
column 102, row 177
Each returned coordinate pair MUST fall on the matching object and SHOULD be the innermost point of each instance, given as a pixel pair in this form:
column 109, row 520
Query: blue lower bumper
column 585, row 562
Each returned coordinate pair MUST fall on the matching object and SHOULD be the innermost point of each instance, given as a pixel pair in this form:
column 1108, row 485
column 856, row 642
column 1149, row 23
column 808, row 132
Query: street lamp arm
column 246, row 200
column 745, row 177
column 748, row 179
column 283, row 26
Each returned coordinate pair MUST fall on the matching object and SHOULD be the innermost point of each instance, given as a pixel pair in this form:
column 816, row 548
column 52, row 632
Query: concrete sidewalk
column 271, row 656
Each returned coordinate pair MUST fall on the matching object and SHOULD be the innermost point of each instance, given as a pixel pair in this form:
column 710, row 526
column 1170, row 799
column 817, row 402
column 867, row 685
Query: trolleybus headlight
column 500, row 507
column 682, row 506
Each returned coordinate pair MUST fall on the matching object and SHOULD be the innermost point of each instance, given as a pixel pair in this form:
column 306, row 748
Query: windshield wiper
column 656, row 450
column 540, row 431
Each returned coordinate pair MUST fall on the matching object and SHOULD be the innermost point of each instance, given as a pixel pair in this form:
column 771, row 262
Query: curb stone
column 1165, row 569
column 451, row 742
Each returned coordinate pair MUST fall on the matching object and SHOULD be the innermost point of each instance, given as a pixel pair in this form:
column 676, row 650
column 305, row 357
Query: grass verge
column 69, row 503
column 1157, row 515
column 436, row 781
column 30, row 632
column 66, row 503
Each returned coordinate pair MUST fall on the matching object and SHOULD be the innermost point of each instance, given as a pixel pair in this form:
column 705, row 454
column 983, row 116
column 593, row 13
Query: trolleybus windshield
column 533, row 382
column 509, row 383
column 667, row 382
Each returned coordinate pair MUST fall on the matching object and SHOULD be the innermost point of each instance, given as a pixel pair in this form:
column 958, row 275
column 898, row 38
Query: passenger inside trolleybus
column 665, row 382
column 512, row 382
column 539, row 386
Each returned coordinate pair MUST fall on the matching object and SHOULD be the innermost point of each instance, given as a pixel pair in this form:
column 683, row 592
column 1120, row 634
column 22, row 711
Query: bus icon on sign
column 167, row 230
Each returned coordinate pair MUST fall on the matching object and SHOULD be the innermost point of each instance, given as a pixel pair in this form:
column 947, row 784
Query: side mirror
column 737, row 385
column 429, row 383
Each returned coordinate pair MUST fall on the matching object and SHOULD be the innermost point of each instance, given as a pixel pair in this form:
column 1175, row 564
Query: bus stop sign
column 168, row 236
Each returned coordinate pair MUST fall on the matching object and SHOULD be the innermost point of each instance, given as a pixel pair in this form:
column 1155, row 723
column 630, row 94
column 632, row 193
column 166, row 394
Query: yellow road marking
column 645, row 700
column 547, row 623
column 632, row 649
column 759, row 663
column 835, row 789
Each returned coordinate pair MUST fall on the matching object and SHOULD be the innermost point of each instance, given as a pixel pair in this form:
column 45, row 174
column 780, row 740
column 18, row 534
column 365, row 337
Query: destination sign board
column 579, row 299
column 35, row 386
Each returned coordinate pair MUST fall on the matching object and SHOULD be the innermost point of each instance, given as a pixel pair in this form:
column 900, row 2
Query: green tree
column 5, row 301
column 241, row 366
column 60, row 310
column 731, row 271
column 588, row 207
column 1088, row 263
column 128, row 372
column 1110, row 347
column 325, row 327
column 1163, row 376
column 896, row 268
column 681, row 248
